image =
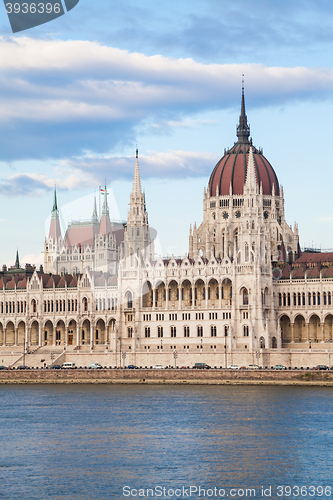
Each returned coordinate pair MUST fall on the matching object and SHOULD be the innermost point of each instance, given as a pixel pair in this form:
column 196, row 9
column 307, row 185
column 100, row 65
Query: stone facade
column 243, row 294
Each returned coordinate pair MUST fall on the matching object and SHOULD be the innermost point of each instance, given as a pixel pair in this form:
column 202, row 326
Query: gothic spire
column 243, row 129
column 251, row 180
column 17, row 261
column 105, row 209
column 136, row 190
column 55, row 205
column 94, row 215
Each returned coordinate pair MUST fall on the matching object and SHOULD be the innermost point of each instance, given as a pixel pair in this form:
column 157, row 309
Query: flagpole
column 99, row 201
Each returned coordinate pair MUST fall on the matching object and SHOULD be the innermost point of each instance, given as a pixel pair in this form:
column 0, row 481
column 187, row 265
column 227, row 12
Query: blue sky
column 79, row 94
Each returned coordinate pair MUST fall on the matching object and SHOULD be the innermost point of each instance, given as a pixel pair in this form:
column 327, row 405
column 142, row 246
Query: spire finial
column 137, row 153
column 17, row 261
column 243, row 129
column 55, row 206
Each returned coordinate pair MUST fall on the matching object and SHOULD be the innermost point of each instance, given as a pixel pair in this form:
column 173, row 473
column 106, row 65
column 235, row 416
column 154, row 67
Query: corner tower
column 137, row 234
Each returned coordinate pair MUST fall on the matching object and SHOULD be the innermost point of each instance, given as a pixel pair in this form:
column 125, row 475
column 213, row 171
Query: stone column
column 39, row 335
column 154, row 298
column 180, row 296
column 220, row 296
column 206, row 295
column 54, row 336
column 77, row 334
column 167, row 297
column 66, row 336
column 307, row 329
column 16, row 335
column 91, row 335
column 26, row 336
column 322, row 325
column 193, row 295
column 292, row 332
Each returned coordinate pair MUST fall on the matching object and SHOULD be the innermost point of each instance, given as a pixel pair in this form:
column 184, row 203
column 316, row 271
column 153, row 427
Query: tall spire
column 55, row 206
column 55, row 230
column 94, row 215
column 243, row 129
column 136, row 190
column 17, row 261
column 105, row 209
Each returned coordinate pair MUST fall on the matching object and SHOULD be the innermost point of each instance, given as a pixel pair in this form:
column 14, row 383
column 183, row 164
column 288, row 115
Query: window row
column 11, row 307
column 299, row 299
column 106, row 304
column 173, row 331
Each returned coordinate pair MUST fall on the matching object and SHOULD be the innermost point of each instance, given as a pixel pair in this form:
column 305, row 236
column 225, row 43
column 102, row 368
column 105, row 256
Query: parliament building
column 244, row 294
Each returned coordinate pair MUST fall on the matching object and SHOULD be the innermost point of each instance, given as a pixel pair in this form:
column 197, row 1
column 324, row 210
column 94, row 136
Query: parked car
column 253, row 367
column 94, row 366
column 22, row 367
column 68, row 364
column 132, row 367
column 201, row 366
column 321, row 367
column 56, row 367
column 233, row 367
column 158, row 367
column 3, row 367
column 279, row 367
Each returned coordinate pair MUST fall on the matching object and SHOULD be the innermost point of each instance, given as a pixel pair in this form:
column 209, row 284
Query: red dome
column 233, row 165
column 232, row 168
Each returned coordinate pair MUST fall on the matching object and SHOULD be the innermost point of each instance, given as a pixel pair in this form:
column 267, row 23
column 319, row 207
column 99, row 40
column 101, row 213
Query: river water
column 115, row 442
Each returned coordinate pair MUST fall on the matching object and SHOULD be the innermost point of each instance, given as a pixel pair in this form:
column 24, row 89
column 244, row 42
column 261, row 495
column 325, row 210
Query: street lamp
column 309, row 343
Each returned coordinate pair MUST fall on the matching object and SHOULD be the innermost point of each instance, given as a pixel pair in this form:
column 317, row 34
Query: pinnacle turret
column 243, row 129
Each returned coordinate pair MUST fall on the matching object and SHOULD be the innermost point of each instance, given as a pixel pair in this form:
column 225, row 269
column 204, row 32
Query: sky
column 78, row 95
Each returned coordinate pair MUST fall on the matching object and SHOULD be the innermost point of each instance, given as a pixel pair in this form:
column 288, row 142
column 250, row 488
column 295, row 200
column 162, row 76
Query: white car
column 158, row 367
column 233, row 367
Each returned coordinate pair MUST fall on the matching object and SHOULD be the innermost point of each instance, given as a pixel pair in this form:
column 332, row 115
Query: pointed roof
column 55, row 230
column 105, row 227
column 136, row 189
column 251, row 180
column 243, row 129
column 17, row 261
column 95, row 215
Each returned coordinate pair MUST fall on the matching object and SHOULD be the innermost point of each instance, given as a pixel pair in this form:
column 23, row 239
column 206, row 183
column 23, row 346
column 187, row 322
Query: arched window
column 200, row 331
column 295, row 299
column 246, row 331
column 325, row 299
column 147, row 332
column 226, row 331
column 160, row 331
column 34, row 306
column 245, row 297
column 280, row 299
column 299, row 299
column 129, row 332
column 318, row 298
column 173, row 331
column 186, row 331
column 85, row 304
column 274, row 343
column 213, row 331
column 329, row 298
column 314, row 298
column 129, row 298
column 262, row 343
column 309, row 299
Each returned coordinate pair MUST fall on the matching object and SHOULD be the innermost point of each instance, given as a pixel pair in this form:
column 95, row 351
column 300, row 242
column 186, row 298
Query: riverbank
column 168, row 376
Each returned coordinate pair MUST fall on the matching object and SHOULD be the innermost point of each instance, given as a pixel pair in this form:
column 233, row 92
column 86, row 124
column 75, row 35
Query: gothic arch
column 285, row 329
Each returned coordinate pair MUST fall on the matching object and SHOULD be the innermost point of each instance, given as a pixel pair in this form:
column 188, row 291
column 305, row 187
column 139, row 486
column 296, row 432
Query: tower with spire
column 93, row 244
column 137, row 236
